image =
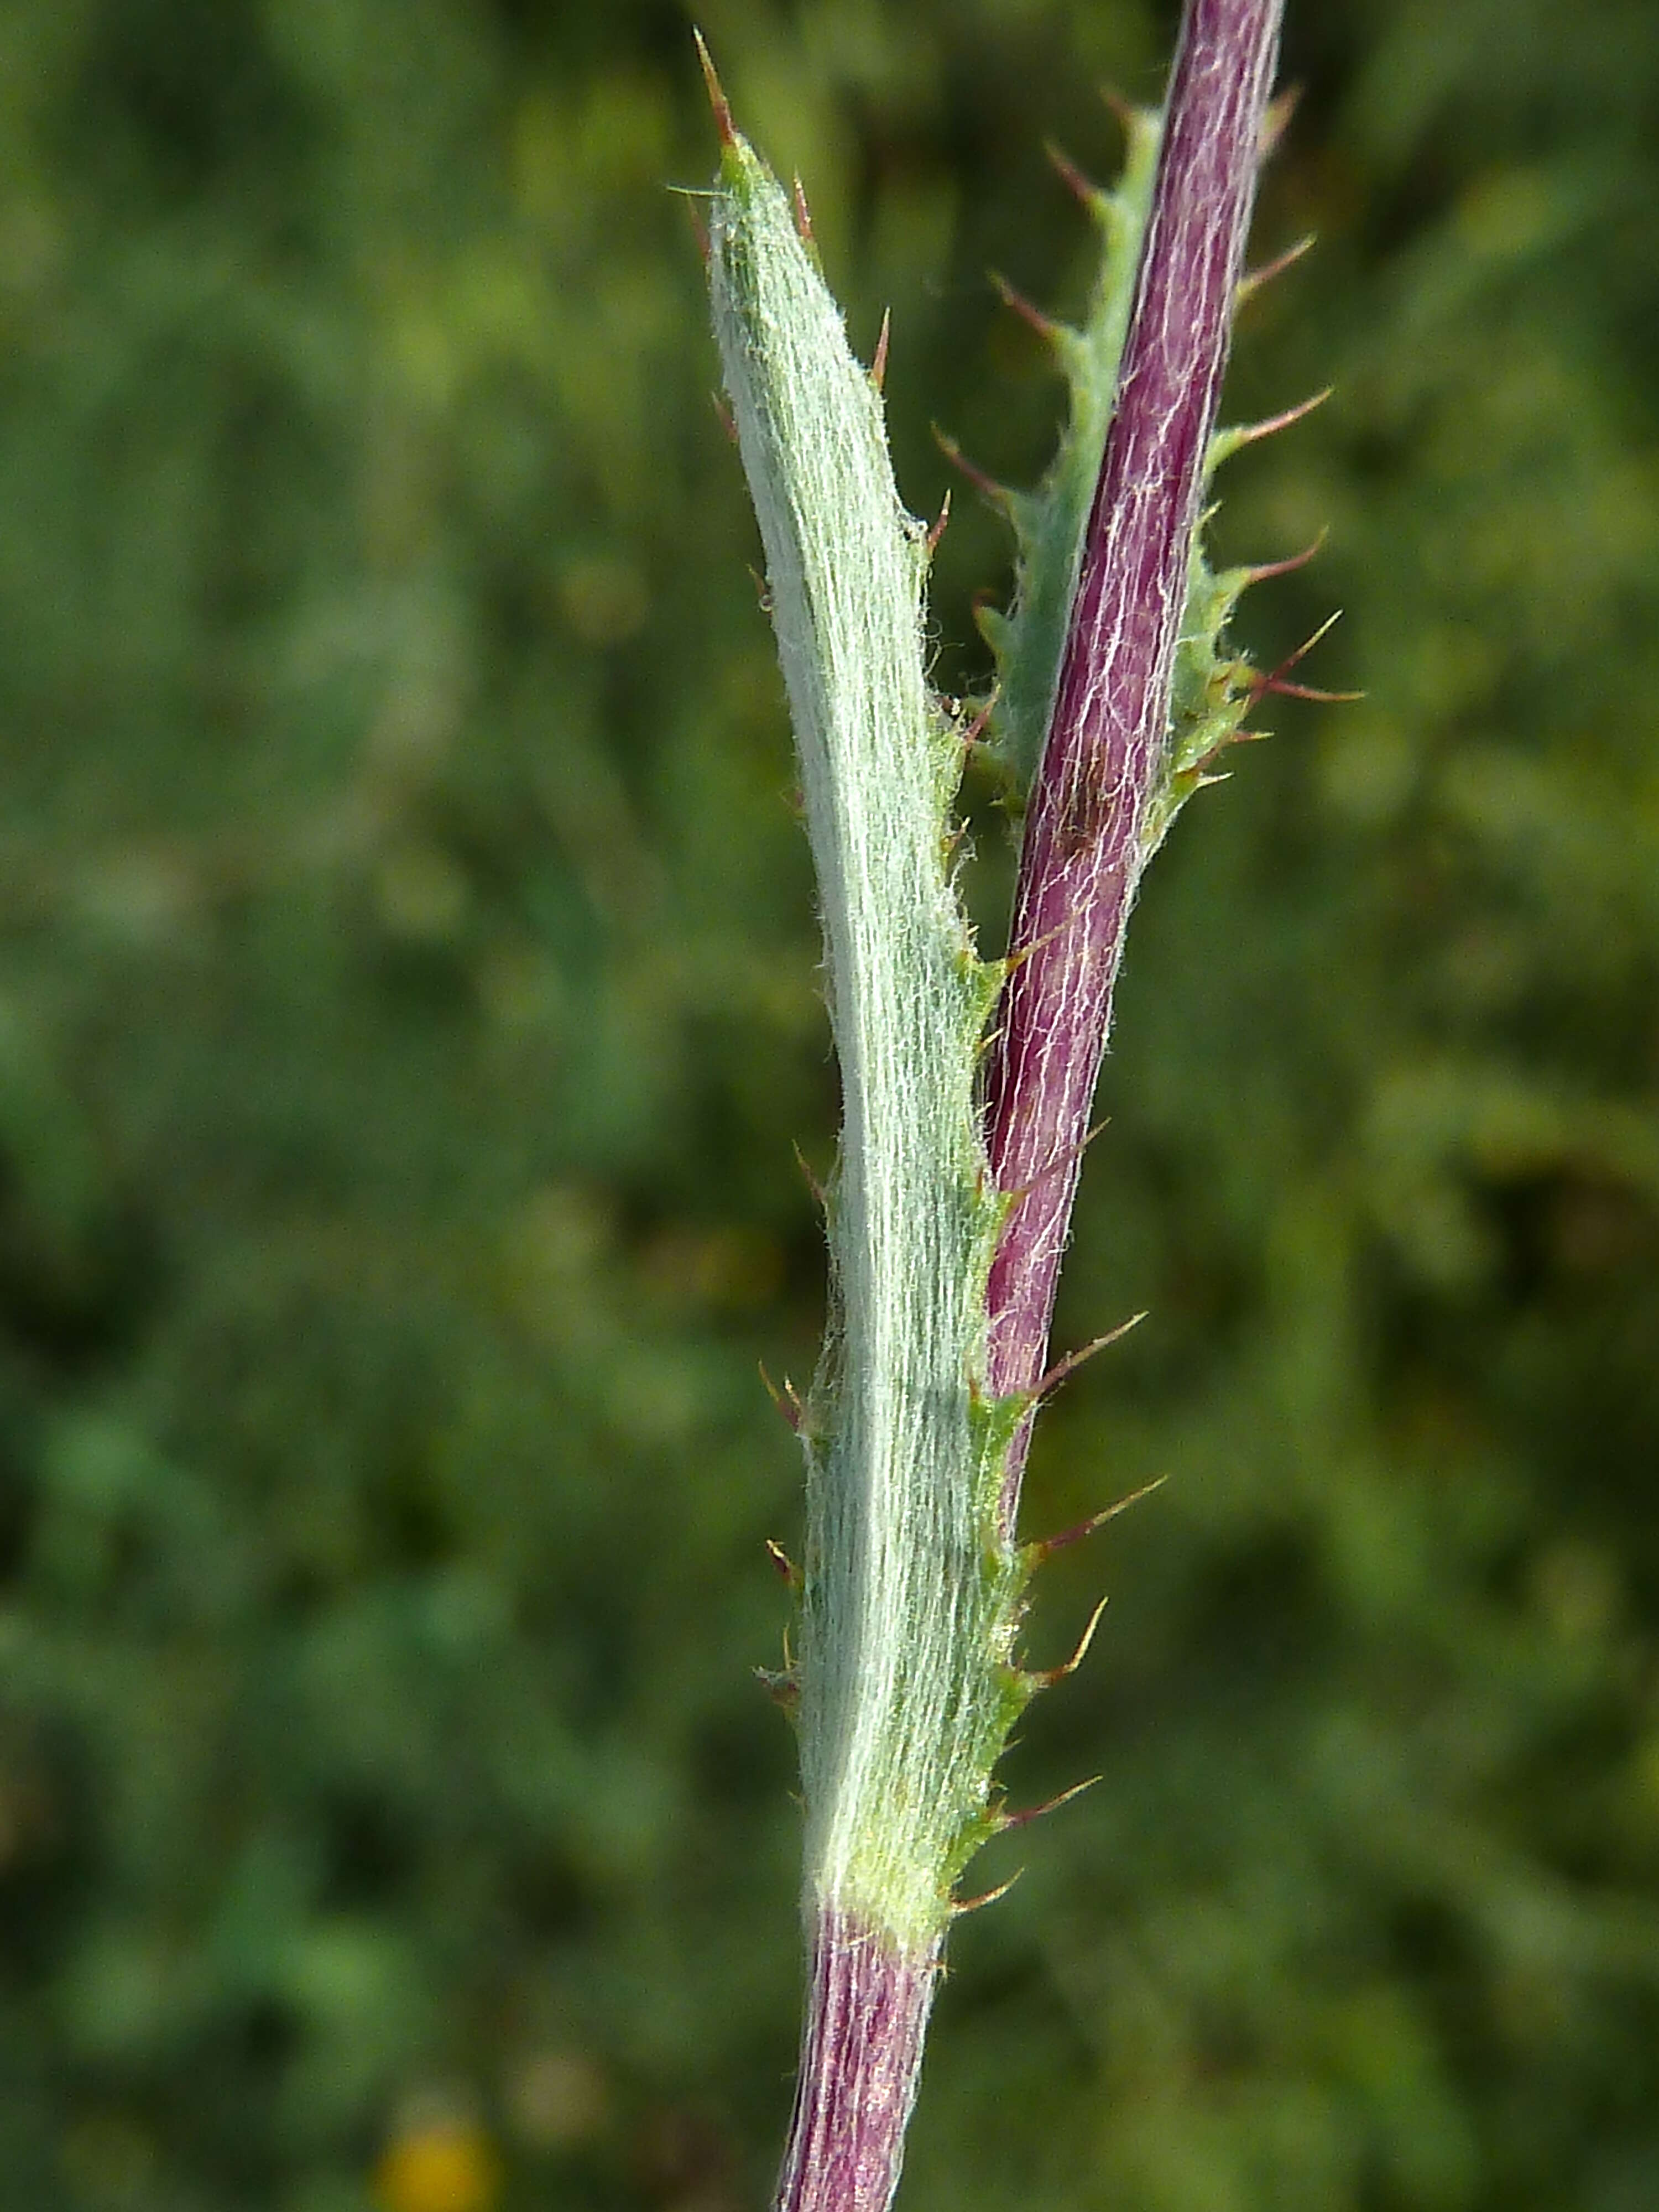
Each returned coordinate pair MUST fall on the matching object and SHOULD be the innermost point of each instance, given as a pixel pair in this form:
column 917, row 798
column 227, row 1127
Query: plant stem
column 870, row 1986
column 1084, row 844
column 864, row 2018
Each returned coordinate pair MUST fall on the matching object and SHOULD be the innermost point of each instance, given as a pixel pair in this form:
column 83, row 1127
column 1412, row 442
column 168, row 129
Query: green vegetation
column 408, row 995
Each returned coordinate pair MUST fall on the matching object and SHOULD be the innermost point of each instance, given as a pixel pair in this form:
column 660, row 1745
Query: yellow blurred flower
column 439, row 2165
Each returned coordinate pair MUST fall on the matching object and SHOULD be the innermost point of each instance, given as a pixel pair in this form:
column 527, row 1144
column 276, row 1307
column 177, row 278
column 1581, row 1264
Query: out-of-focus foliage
column 408, row 997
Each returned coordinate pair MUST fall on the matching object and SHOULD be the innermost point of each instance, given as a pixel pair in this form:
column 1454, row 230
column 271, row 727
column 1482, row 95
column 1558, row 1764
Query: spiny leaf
column 1213, row 689
column 1049, row 525
column 910, row 1595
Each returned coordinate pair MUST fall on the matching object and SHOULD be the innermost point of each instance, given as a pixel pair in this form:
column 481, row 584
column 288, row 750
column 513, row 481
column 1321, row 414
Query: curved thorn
column 1275, row 682
column 1260, row 571
column 977, row 1903
column 1253, row 279
column 1018, row 959
column 1046, row 1546
column 1239, row 735
column 1124, row 108
column 1046, row 1678
column 1024, row 1819
column 1279, row 689
column 1063, row 1154
column 1232, row 441
column 1062, row 1369
column 717, row 99
column 1046, row 327
column 997, row 494
column 878, row 365
column 1309, row 643
column 1072, row 177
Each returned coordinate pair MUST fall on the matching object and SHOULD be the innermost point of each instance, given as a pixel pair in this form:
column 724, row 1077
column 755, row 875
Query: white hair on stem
column 905, row 1683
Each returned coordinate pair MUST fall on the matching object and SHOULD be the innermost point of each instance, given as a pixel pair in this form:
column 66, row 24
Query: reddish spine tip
column 987, row 485
column 1048, row 1676
column 879, row 365
column 976, row 729
column 781, row 1559
column 1280, row 687
column 1046, row 1548
column 1263, row 570
column 788, row 1404
column 813, row 1183
column 1053, row 1805
column 967, row 1904
column 1253, row 280
column 1068, row 1366
column 1251, row 433
column 1123, row 109
column 803, row 213
column 1066, row 1155
column 717, row 99
column 1084, row 843
column 1071, row 176
column 700, row 232
column 1045, row 326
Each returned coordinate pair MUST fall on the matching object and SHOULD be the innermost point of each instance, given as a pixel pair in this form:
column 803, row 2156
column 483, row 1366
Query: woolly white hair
column 911, row 1595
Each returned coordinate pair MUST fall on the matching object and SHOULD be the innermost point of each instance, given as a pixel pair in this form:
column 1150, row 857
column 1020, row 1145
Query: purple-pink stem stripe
column 1082, row 856
column 865, row 2014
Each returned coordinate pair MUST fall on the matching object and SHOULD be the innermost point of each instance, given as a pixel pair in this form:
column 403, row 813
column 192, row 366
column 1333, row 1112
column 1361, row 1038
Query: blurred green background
column 407, row 998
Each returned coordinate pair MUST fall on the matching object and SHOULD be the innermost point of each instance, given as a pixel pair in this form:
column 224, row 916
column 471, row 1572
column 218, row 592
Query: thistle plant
column 966, row 1083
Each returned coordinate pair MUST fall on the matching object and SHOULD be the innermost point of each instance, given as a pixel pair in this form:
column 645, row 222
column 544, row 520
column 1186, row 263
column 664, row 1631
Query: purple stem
column 1082, row 854
column 867, row 2002
column 865, row 2014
